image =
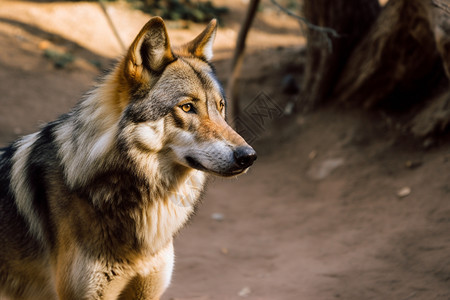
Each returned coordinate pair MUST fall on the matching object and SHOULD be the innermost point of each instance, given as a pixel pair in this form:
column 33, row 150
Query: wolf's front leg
column 153, row 279
column 80, row 276
column 75, row 275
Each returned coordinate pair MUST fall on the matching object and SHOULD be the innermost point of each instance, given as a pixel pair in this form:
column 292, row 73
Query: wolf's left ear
column 150, row 50
column 201, row 46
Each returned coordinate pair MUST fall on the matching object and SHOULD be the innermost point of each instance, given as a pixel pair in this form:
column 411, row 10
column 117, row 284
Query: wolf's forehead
column 192, row 77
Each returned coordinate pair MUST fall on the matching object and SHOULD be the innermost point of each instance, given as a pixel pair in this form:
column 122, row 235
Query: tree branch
column 111, row 24
column 442, row 5
column 325, row 31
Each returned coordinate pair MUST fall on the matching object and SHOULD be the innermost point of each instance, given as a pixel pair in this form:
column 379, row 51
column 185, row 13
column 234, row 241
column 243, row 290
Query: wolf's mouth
column 193, row 163
column 231, row 173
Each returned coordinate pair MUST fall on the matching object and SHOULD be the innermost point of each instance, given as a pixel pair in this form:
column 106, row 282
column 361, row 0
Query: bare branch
column 111, row 24
column 238, row 58
column 442, row 5
column 325, row 31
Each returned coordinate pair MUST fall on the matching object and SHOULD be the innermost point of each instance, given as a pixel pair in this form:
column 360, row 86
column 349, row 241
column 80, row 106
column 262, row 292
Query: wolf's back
column 18, row 247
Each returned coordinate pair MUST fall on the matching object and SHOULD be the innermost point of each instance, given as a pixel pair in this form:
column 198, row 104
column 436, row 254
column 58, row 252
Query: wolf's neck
column 93, row 161
column 87, row 135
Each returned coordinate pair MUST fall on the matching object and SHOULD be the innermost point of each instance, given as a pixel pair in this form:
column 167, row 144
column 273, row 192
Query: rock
column 245, row 292
column 312, row 154
column 217, row 217
column 321, row 170
column 289, row 108
column 403, row 192
column 412, row 164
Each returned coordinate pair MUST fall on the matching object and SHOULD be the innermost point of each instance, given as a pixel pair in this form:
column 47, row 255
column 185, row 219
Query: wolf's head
column 172, row 104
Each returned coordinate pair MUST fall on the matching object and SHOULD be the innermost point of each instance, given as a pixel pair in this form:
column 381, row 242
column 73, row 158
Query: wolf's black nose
column 245, row 156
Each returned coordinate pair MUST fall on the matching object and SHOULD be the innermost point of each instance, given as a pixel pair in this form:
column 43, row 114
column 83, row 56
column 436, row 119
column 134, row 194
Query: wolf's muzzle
column 244, row 156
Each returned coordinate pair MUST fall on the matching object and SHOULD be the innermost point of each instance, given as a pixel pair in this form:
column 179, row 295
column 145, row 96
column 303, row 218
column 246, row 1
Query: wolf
column 89, row 205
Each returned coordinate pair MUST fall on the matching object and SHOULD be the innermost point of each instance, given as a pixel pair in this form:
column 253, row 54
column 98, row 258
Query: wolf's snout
column 244, row 156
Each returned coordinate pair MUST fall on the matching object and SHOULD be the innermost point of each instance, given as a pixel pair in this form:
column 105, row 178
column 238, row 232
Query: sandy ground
column 317, row 217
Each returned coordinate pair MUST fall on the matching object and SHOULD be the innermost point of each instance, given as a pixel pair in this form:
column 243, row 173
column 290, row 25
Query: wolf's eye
column 221, row 104
column 187, row 107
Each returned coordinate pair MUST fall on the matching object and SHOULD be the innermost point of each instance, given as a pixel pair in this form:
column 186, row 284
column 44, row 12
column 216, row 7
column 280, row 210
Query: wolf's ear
column 201, row 46
column 150, row 50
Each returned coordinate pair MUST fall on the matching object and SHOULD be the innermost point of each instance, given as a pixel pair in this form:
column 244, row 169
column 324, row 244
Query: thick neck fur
column 151, row 195
column 116, row 176
column 93, row 149
column 87, row 136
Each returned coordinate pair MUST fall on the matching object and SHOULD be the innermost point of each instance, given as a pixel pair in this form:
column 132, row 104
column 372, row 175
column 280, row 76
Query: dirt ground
column 339, row 205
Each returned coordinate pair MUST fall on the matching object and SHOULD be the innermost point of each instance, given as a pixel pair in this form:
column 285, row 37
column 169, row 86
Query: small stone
column 312, row 154
column 217, row 217
column 224, row 251
column 289, row 108
column 245, row 292
column 323, row 169
column 403, row 192
column 412, row 164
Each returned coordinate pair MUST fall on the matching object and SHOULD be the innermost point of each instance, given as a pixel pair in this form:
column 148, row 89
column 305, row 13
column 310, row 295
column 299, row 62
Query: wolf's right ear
column 150, row 51
column 202, row 45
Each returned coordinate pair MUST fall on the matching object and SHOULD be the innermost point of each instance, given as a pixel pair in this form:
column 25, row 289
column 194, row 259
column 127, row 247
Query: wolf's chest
column 164, row 218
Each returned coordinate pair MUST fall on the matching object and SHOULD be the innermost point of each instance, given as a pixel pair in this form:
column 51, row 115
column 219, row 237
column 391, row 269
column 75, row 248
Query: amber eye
column 221, row 105
column 186, row 107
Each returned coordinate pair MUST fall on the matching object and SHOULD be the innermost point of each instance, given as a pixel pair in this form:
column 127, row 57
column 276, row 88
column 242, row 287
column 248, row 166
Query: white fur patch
column 208, row 48
column 83, row 148
column 137, row 53
column 216, row 83
column 21, row 188
column 151, row 135
column 163, row 219
column 188, row 192
column 169, row 259
column 103, row 143
column 166, row 216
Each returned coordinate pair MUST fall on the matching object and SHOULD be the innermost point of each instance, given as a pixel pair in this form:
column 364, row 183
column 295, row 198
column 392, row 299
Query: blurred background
column 347, row 104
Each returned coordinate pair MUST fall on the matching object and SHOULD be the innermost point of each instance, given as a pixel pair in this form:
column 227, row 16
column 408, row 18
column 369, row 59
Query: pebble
column 245, row 292
column 312, row 154
column 403, row 192
column 289, row 109
column 321, row 170
column 217, row 217
column 412, row 164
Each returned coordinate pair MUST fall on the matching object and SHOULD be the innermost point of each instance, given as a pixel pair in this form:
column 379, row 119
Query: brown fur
column 98, row 195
